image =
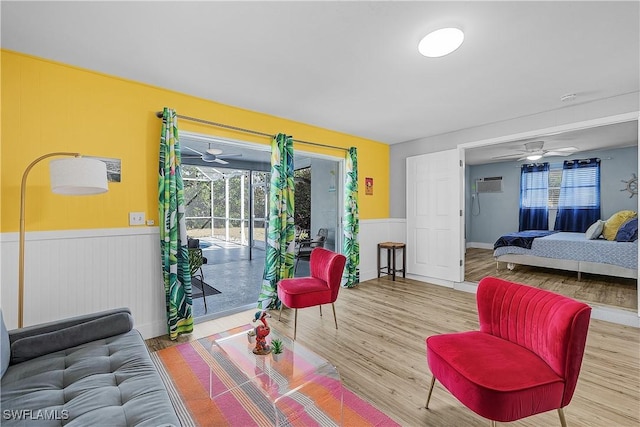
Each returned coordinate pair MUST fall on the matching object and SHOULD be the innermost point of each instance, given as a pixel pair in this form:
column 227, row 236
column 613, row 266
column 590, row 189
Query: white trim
column 374, row 221
column 614, row 315
column 618, row 118
column 479, row 245
column 80, row 234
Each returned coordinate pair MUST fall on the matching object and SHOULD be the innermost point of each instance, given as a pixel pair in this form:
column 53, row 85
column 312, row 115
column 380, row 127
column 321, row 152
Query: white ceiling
column 348, row 66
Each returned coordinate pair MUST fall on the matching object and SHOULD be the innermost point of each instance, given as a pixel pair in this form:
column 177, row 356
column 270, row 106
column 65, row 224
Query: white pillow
column 595, row 230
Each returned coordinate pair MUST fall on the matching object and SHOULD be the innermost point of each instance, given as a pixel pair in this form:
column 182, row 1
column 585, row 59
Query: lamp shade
column 78, row 176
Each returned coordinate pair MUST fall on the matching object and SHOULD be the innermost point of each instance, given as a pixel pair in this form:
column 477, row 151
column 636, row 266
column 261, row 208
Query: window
column 534, row 197
column 579, row 199
column 555, row 179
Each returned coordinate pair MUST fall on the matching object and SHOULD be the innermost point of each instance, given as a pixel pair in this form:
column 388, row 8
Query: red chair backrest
column 328, row 266
column 551, row 325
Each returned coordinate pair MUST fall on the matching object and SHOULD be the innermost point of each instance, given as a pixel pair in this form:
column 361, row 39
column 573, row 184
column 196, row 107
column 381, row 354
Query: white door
column 434, row 215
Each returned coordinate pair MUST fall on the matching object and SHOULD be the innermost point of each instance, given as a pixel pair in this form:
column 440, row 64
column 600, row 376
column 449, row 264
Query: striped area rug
column 188, row 370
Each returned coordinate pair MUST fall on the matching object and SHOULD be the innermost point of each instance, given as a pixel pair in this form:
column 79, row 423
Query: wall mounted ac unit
column 492, row 184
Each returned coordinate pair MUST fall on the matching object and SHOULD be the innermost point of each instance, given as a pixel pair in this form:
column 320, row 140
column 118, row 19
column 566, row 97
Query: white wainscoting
column 74, row 272
column 372, row 232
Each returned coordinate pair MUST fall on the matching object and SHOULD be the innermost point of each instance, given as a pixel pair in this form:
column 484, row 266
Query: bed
column 569, row 251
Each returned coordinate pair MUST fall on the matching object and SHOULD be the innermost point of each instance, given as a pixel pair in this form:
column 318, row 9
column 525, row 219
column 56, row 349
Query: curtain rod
column 253, row 132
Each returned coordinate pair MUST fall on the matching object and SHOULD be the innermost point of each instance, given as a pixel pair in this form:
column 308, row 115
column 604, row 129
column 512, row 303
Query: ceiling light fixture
column 534, row 157
column 441, row 42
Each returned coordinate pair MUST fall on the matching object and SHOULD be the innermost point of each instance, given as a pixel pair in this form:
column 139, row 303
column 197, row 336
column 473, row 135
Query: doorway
column 230, row 214
column 602, row 308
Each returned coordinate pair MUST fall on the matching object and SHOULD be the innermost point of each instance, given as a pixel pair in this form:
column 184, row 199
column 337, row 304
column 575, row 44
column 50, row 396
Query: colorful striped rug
column 187, row 371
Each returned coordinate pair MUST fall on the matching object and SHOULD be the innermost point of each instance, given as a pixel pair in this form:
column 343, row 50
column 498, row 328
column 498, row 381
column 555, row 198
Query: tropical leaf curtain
column 279, row 255
column 351, row 220
column 173, row 230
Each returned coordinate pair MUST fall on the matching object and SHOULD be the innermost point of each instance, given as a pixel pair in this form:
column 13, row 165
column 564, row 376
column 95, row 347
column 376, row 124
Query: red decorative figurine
column 261, row 333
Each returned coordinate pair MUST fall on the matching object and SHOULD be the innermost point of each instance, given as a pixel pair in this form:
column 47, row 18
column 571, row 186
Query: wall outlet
column 136, row 218
column 150, row 222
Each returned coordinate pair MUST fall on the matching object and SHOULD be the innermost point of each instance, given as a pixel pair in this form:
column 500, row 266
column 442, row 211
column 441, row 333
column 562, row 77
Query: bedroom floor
column 592, row 288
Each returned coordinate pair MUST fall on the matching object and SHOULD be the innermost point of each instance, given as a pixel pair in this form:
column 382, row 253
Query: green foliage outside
column 303, row 198
column 198, row 191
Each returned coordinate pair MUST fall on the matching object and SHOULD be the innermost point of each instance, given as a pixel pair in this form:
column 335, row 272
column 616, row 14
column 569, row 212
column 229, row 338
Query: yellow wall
column 49, row 106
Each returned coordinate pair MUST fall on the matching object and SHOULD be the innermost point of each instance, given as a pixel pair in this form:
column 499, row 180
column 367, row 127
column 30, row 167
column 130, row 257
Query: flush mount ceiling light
column 214, row 151
column 534, row 157
column 441, row 42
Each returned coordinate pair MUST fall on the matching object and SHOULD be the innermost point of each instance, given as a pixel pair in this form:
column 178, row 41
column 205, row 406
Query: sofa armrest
column 34, row 341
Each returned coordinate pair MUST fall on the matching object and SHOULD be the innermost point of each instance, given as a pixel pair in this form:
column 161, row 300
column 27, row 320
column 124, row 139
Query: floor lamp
column 74, row 176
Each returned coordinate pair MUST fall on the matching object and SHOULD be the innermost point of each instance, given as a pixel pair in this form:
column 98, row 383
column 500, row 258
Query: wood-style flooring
column 591, row 288
column 379, row 350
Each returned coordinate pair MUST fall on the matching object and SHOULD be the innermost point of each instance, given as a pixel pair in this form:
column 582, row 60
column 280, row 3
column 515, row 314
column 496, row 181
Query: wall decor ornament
column 114, row 168
column 368, row 186
column 631, row 185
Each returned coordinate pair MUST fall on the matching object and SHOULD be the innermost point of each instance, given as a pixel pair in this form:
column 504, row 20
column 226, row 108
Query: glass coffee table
column 288, row 390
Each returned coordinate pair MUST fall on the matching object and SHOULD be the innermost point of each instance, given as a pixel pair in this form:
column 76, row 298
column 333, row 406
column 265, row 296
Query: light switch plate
column 136, row 218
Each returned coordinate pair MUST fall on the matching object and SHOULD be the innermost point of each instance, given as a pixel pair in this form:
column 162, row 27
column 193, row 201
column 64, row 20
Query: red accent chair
column 320, row 288
column 524, row 360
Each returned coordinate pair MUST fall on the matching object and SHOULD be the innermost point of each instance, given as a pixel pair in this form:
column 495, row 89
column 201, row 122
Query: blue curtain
column 579, row 201
column 534, row 197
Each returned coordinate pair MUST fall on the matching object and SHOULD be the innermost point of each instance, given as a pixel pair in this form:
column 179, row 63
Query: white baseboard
column 479, row 245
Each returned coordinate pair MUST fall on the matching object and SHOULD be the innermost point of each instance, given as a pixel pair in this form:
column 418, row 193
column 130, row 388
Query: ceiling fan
column 534, row 150
column 211, row 155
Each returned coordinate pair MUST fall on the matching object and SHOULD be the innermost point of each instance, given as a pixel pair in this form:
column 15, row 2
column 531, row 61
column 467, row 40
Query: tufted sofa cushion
column 109, row 381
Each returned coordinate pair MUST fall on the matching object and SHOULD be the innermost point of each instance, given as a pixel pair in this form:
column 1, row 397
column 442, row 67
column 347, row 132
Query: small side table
column 390, row 268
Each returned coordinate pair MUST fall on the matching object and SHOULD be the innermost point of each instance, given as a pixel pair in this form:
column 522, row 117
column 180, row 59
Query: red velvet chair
column 525, row 358
column 321, row 287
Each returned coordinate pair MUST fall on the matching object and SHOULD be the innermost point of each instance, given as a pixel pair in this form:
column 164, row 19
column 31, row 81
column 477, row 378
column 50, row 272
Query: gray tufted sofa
column 91, row 370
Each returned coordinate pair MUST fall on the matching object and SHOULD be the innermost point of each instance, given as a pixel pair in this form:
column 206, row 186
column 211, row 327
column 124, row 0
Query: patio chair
column 196, row 260
column 304, row 247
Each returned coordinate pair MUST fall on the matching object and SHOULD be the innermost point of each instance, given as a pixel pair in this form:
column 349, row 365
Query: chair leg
column 335, row 319
column 563, row 421
column 493, row 423
column 280, row 315
column 320, row 310
column 295, row 324
column 204, row 294
column 433, row 382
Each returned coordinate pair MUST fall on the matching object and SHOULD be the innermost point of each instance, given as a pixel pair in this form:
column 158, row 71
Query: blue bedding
column 521, row 239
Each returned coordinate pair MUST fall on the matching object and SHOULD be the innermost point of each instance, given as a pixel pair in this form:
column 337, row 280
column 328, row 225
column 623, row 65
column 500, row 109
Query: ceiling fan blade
column 224, row 156
column 191, row 149
column 557, row 153
column 569, row 149
column 508, row 156
column 222, row 162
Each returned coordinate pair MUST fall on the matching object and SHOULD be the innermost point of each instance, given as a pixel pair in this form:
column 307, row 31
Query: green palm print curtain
column 351, row 220
column 173, row 230
column 281, row 231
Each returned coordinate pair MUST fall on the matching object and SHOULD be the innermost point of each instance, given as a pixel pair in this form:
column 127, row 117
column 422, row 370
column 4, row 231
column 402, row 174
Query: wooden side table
column 390, row 268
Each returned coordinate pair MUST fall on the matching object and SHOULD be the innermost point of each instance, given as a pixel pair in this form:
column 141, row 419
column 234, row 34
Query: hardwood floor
column 592, row 288
column 379, row 351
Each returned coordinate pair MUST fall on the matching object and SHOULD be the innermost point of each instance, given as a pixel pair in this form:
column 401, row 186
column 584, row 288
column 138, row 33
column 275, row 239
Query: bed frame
column 566, row 264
